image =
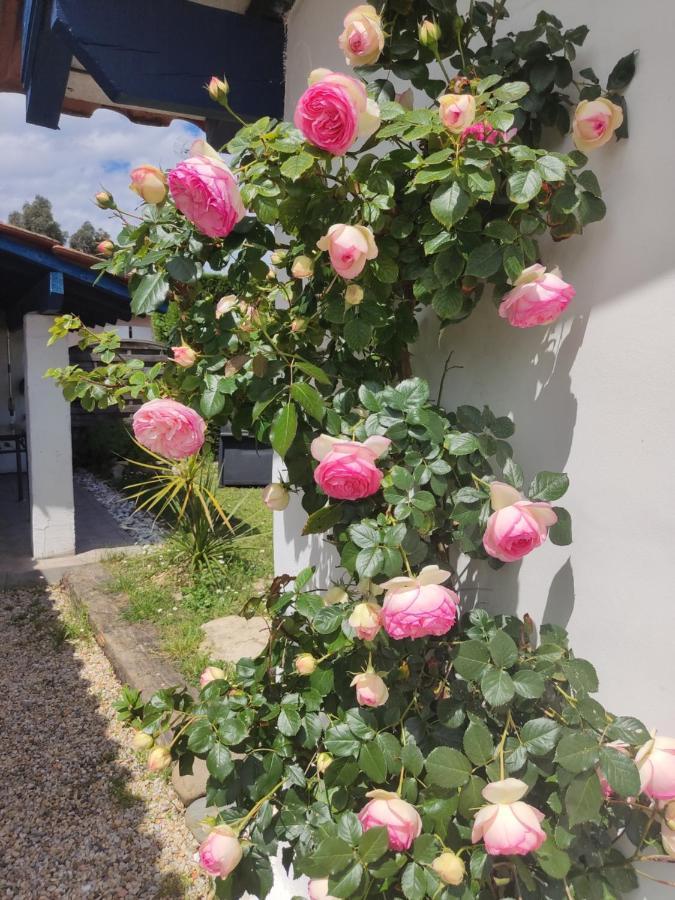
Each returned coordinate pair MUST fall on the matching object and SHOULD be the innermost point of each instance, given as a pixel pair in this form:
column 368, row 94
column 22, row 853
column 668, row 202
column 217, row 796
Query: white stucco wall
column 593, row 395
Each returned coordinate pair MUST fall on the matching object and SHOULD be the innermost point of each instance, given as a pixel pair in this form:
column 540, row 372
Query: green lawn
column 163, row 592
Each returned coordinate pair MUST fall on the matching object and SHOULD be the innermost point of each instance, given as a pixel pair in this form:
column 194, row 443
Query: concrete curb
column 133, row 651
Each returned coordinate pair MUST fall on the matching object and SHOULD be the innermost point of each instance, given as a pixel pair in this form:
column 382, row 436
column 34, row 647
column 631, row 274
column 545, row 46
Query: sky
column 69, row 165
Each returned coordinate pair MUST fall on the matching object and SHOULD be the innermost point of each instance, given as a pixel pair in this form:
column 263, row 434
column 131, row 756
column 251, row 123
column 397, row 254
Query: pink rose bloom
column 656, row 763
column 207, row 194
column 517, row 526
column 482, row 131
column 508, row 826
column 334, row 111
column 349, row 246
column 370, row 689
column 184, row 356
column 417, row 607
column 604, row 784
column 387, row 810
column 318, row 889
column 221, row 852
column 366, row 620
column 595, row 122
column 362, row 40
column 168, row 428
column 538, row 297
column 347, row 469
column 457, row 111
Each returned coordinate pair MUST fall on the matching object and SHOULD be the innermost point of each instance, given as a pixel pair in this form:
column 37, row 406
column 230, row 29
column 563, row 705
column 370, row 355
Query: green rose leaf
column 373, row 763
column 497, row 687
column 554, row 862
column 447, row 768
column 332, row 855
column 414, row 882
column 583, row 799
column 524, row 186
column 219, row 762
column 148, row 293
column 540, row 736
column 373, row 844
column 309, row 399
column 620, row 771
column 528, row 684
column 578, row 752
column 478, row 744
column 548, row 486
column 450, row 204
column 473, row 657
column 284, row 428
column 297, row 165
column 323, row 519
column 503, row 650
column 346, row 884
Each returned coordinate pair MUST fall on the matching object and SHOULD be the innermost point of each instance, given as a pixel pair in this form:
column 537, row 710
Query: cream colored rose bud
column 275, row 496
column 305, row 664
column 104, row 200
column 142, row 741
column 323, row 760
column 105, row 248
column 336, row 594
column 225, row 305
column 429, row 33
column 278, row 257
column 159, row 759
column 218, row 89
column 302, row 267
column 449, row 868
column 354, row 295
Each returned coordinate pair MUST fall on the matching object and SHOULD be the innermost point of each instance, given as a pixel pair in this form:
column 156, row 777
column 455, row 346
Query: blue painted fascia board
column 31, row 20
column 48, row 60
column 140, row 58
column 53, row 263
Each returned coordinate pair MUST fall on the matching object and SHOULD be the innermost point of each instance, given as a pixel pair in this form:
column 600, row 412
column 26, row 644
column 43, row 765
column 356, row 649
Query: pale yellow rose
column 595, row 122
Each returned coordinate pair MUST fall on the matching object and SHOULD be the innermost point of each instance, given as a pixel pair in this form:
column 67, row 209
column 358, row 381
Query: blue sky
column 70, row 165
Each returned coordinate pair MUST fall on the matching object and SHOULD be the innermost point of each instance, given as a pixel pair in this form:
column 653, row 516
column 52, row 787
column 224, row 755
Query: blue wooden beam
column 51, row 262
column 160, row 55
column 45, row 64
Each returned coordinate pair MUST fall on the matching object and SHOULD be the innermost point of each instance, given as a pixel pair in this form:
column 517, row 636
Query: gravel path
column 80, row 817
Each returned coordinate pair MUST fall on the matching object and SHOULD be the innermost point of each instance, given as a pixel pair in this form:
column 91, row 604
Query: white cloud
column 70, row 165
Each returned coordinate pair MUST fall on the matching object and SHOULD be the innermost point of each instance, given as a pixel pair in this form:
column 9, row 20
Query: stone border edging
column 132, row 649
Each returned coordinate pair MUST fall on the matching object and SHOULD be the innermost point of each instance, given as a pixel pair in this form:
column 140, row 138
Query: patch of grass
column 162, row 590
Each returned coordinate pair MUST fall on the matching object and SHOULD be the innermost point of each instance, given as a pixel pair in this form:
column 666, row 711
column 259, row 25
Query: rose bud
column 211, row 673
column 302, row 267
column 298, row 326
column 278, row 257
column 669, row 815
column 517, row 526
column 508, row 826
column 159, row 759
column 323, row 760
column 104, row 200
column 668, row 839
column 142, row 741
column 400, row 818
column 225, row 305
column 218, row 89
column 595, row 122
column 656, row 763
column 449, row 868
column 275, row 496
column 305, row 664
column 353, row 295
column 105, row 248
column 366, row 620
column 149, row 183
column 370, row 689
column 335, row 594
column 457, row 111
column 429, row 33
column 317, row 889
column 221, row 852
column 184, row 356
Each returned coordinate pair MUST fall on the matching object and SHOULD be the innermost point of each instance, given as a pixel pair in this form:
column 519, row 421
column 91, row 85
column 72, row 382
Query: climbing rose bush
column 393, row 738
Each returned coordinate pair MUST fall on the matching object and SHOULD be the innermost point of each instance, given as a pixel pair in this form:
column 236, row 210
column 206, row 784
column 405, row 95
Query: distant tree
column 87, row 238
column 38, row 216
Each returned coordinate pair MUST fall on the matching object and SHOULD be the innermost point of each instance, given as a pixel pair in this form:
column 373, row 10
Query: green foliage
column 454, row 218
column 37, row 216
column 442, row 735
column 87, row 238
